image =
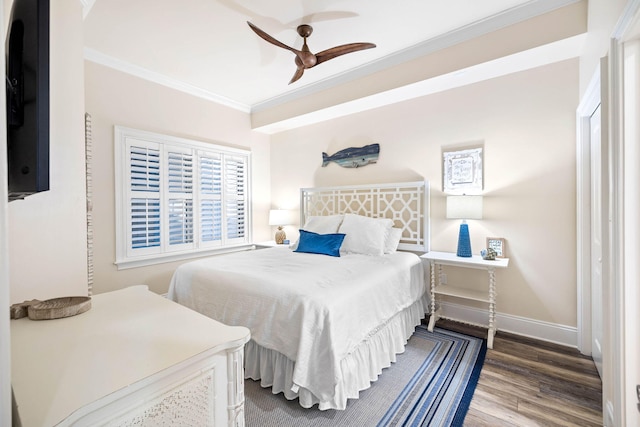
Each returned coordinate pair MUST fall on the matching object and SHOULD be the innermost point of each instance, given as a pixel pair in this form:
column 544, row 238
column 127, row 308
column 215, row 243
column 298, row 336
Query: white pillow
column 323, row 224
column 326, row 224
column 364, row 235
column 393, row 239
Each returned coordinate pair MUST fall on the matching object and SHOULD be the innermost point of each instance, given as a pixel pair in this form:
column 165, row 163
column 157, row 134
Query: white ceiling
column 206, row 47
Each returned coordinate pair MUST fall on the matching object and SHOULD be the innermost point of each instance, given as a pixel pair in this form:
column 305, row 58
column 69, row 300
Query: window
column 177, row 198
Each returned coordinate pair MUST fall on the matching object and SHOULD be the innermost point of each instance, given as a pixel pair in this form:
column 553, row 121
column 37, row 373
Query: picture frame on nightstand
column 498, row 245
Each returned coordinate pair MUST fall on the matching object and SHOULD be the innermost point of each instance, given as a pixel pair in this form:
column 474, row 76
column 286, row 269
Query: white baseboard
column 551, row 332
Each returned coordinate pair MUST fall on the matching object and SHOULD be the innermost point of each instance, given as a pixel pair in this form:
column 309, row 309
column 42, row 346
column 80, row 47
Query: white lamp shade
column 279, row 217
column 464, row 207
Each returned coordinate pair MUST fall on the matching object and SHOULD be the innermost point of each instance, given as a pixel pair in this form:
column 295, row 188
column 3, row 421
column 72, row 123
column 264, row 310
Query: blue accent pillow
column 324, row 244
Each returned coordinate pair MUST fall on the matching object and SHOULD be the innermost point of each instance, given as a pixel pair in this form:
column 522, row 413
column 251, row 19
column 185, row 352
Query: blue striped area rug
column 430, row 384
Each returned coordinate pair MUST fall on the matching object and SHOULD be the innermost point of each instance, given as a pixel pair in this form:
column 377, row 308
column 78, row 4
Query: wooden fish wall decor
column 353, row 157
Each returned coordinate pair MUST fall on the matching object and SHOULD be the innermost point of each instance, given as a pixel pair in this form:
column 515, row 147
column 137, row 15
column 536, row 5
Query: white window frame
column 126, row 255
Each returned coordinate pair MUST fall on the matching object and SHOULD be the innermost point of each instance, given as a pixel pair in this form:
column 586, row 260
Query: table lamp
column 279, row 217
column 464, row 208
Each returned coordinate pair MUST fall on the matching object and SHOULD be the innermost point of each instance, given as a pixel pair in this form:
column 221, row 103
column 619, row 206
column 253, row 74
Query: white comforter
column 314, row 309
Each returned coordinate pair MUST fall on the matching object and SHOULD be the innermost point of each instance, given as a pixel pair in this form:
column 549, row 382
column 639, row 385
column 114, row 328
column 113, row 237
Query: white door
column 596, row 240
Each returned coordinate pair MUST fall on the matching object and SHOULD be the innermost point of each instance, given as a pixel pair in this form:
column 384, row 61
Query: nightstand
column 438, row 259
column 270, row 244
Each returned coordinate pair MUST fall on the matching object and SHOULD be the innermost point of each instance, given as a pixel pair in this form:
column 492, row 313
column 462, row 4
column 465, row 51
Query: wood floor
column 526, row 382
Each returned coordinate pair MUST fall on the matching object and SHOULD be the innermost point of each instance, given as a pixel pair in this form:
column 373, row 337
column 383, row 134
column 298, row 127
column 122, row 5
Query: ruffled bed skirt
column 358, row 369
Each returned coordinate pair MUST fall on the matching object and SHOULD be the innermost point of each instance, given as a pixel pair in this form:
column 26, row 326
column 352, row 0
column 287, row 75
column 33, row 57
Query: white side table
column 438, row 259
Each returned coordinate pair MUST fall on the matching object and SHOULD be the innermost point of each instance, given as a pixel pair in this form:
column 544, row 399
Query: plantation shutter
column 180, row 181
column 177, row 198
column 235, row 197
column 143, row 216
column 210, row 199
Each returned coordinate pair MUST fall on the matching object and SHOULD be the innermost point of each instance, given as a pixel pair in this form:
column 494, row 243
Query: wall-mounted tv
column 27, row 86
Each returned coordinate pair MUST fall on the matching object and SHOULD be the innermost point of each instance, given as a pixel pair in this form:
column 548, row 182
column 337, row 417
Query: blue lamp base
column 464, row 242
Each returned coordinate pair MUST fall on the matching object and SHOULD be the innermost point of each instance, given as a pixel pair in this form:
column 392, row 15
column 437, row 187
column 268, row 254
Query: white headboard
column 406, row 203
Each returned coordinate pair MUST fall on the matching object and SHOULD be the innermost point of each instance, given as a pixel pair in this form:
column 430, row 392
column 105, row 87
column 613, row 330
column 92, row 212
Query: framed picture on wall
column 497, row 244
column 462, row 171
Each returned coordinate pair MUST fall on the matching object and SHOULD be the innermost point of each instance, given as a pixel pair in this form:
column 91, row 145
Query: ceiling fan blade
column 298, row 74
column 270, row 39
column 304, row 57
column 328, row 54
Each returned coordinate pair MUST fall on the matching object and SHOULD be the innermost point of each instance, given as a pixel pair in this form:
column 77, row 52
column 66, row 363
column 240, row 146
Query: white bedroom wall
column 526, row 122
column 47, row 231
column 116, row 98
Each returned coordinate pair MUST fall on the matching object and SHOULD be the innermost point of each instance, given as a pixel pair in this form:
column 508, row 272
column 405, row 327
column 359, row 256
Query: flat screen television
column 27, row 86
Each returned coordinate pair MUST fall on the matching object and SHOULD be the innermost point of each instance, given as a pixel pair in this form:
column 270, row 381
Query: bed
column 323, row 327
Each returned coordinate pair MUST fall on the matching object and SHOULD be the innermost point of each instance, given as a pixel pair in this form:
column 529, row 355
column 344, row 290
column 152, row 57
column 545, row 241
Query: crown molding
column 155, row 77
column 512, row 16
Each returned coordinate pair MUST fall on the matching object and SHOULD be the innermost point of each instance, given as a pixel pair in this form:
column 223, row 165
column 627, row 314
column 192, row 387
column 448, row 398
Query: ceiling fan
column 304, row 58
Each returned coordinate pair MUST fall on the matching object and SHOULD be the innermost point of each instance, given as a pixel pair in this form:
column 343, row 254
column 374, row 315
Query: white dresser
column 135, row 358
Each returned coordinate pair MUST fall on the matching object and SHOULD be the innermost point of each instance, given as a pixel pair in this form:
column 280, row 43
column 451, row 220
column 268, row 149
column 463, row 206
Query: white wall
column 47, row 231
column 526, row 122
column 116, row 98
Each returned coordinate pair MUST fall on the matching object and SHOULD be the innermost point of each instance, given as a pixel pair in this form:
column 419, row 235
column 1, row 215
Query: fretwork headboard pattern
column 406, row 203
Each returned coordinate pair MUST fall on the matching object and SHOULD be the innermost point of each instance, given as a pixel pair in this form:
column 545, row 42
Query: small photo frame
column 498, row 245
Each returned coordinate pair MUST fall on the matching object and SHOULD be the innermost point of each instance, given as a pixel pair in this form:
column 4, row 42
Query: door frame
column 620, row 396
column 588, row 104
column 618, row 407
column 630, row 294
